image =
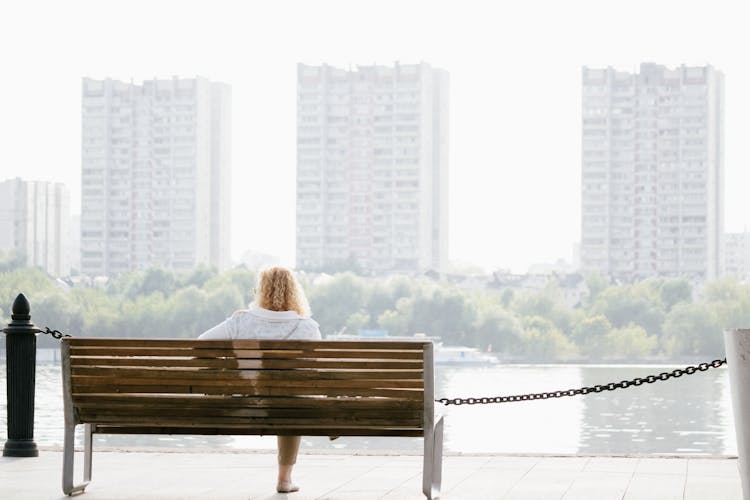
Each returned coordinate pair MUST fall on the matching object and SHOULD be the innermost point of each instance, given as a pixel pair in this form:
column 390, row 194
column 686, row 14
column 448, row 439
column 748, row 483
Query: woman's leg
column 288, row 448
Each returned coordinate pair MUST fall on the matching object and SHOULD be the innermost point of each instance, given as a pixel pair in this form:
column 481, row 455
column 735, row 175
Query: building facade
column 155, row 175
column 35, row 223
column 737, row 254
column 652, row 172
column 372, row 168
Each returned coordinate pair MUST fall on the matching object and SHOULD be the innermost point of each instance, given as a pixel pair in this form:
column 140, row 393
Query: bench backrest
column 308, row 387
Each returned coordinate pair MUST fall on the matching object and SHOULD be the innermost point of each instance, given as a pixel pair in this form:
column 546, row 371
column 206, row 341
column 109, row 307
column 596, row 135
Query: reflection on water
column 689, row 415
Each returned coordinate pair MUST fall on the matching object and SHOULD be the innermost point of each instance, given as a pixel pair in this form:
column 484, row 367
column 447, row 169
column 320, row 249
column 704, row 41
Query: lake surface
column 689, row 415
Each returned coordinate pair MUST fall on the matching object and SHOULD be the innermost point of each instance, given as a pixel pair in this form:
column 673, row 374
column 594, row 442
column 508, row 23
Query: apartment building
column 155, row 174
column 737, row 254
column 372, row 168
column 34, row 222
column 652, row 172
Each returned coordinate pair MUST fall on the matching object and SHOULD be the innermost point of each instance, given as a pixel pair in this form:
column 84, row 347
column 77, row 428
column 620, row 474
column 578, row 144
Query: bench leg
column 68, row 460
column 88, row 438
column 432, row 471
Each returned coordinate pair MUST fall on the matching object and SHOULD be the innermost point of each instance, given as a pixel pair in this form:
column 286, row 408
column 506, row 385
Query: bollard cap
column 21, row 309
column 20, row 318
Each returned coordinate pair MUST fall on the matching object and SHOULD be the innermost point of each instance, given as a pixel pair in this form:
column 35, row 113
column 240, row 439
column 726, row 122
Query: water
column 689, row 415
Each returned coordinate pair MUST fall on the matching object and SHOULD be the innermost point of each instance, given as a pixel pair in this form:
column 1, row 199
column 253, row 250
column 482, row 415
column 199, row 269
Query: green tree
column 547, row 303
column 56, row 309
column 156, row 279
column 240, row 278
column 590, row 335
column 542, row 304
column 383, row 295
column 507, row 297
column 186, row 309
column 674, row 291
column 724, row 289
column 596, row 284
column 32, row 282
column 394, row 321
column 543, row 341
column 334, row 301
column 145, row 316
column 445, row 313
column 692, row 330
column 730, row 301
column 221, row 303
column 198, row 276
column 100, row 312
column 11, row 260
column 137, row 283
column 357, row 321
column 626, row 304
column 500, row 329
column 630, row 342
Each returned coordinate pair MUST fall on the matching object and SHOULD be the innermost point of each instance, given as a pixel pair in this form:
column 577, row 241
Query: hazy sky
column 515, row 70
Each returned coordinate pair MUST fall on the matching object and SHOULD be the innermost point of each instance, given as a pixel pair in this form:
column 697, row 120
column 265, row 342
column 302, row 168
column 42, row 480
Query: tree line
column 656, row 319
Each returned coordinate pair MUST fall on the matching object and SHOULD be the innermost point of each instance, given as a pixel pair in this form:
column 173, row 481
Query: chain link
column 649, row 379
column 55, row 333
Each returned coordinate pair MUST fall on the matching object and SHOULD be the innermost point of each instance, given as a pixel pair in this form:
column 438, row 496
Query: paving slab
column 656, row 486
column 594, row 484
column 184, row 475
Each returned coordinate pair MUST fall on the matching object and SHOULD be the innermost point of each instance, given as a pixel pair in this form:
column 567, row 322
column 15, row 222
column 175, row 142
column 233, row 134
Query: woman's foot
column 286, row 487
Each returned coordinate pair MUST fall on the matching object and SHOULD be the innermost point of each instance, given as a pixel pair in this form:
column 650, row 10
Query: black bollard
column 20, row 350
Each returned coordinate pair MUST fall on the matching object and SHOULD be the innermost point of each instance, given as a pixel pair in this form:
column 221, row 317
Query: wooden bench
column 231, row 387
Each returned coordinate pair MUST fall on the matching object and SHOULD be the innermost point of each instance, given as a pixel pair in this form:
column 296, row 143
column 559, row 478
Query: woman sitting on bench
column 280, row 311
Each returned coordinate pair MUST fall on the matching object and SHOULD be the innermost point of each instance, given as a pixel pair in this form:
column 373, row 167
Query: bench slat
column 246, row 343
column 279, row 431
column 311, row 363
column 233, row 379
column 271, row 413
column 190, row 372
column 202, row 363
column 296, row 403
column 221, row 420
column 254, row 391
column 248, row 353
column 245, row 424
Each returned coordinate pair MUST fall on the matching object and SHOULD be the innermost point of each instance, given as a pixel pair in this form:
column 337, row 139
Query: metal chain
column 55, row 333
column 586, row 390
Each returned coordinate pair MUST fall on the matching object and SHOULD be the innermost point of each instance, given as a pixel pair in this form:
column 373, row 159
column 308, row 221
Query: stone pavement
column 141, row 475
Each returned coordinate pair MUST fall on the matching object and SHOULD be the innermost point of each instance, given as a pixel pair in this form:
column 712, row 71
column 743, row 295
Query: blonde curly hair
column 278, row 290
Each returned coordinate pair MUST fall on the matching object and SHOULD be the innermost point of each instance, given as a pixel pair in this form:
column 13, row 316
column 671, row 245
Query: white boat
column 443, row 355
column 462, row 355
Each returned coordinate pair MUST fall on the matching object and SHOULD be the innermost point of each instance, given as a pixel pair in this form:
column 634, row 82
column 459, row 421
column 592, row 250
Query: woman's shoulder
column 308, row 328
column 307, row 320
column 239, row 313
column 238, row 317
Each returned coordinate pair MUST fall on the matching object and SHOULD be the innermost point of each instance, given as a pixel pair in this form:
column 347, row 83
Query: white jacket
column 259, row 323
